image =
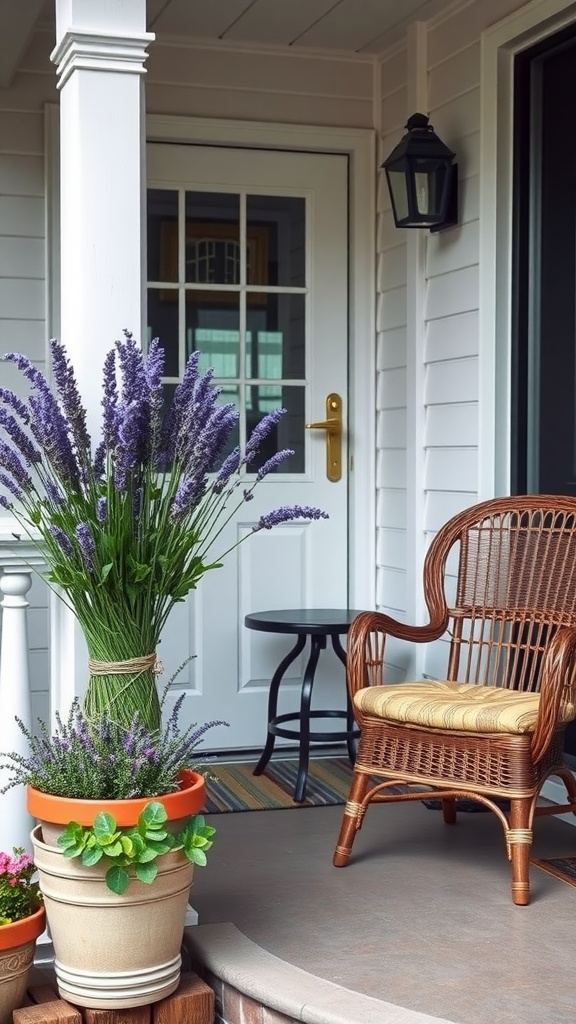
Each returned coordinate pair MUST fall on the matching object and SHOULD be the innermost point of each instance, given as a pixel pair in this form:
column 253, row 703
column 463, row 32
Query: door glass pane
column 163, row 324
column 289, row 432
column 275, row 235
column 275, row 336
column 214, row 328
column 162, row 234
column 212, row 238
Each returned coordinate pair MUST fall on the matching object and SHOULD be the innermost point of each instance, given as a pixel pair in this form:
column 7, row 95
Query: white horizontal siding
column 204, row 81
column 452, row 337
column 23, row 278
column 446, row 424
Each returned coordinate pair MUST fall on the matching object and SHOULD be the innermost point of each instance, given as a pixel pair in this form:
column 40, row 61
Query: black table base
column 318, row 624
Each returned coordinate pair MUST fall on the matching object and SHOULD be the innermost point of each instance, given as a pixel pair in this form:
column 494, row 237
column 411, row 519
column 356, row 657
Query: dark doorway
column 544, row 303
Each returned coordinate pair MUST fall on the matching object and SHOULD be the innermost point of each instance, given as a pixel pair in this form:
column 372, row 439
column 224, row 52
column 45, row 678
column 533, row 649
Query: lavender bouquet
column 129, row 528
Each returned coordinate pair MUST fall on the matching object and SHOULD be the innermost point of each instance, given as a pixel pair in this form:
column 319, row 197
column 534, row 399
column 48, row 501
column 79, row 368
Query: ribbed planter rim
column 20, row 932
column 60, row 810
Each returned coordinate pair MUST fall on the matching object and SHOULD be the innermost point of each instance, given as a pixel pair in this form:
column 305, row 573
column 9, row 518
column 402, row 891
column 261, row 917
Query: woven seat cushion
column 438, row 704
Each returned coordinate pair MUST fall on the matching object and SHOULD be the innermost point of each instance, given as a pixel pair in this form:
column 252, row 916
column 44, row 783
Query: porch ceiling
column 364, row 27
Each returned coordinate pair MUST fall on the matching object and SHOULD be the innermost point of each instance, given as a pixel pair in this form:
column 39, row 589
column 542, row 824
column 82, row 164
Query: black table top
column 308, row 621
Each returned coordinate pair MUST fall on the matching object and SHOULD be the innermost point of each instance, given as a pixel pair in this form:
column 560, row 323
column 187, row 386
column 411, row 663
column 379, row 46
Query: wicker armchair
column 493, row 730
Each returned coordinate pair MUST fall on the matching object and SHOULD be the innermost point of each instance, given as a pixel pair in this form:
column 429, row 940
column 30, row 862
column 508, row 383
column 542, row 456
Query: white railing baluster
column 18, row 559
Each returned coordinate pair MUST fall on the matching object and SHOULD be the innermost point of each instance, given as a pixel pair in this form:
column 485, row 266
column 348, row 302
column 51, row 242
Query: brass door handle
column 333, row 427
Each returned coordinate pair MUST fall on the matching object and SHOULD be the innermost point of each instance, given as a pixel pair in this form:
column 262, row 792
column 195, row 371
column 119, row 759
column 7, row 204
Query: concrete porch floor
column 420, row 923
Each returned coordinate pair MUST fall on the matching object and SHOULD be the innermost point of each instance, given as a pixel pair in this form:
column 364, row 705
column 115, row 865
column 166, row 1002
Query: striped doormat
column 561, row 867
column 233, row 787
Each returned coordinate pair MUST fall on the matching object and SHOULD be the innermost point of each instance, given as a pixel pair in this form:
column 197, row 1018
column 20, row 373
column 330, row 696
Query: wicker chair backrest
column 515, row 586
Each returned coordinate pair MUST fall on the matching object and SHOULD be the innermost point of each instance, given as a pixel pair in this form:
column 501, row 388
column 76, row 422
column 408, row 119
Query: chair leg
column 449, row 811
column 520, row 840
column 570, row 783
column 352, row 819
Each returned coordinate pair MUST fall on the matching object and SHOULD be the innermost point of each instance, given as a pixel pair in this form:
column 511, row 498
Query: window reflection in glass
column 289, row 432
column 162, row 234
column 275, row 232
column 163, row 324
column 275, row 338
column 214, row 328
column 212, row 246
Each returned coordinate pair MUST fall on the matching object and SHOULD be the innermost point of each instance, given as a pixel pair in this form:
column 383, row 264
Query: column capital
column 83, row 50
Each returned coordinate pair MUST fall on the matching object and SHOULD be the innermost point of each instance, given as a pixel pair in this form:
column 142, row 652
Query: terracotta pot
column 17, row 944
column 98, row 963
column 53, row 811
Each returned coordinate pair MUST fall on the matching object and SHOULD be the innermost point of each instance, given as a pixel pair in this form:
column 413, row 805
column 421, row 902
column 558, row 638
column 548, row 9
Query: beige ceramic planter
column 17, row 944
column 113, row 951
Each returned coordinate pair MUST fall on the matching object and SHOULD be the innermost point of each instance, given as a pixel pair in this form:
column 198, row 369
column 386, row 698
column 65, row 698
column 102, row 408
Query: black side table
column 318, row 624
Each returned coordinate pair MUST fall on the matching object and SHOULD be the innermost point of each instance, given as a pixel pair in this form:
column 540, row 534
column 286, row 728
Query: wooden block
column 132, row 1015
column 192, row 1003
column 56, row 1012
column 42, row 993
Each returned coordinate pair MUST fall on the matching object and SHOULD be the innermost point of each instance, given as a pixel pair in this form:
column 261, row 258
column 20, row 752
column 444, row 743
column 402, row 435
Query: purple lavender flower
column 261, row 431
column 23, row 443
column 61, row 539
column 102, row 510
column 53, row 491
column 86, row 543
column 271, row 464
column 11, row 461
column 230, row 466
column 4, row 502
column 11, row 486
column 187, row 496
column 49, row 425
column 12, row 400
column 153, row 370
column 247, row 495
column 74, row 411
column 109, row 406
column 286, row 513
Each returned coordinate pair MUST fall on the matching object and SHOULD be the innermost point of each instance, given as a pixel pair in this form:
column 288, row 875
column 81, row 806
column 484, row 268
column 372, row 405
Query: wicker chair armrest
column 557, row 688
column 367, row 640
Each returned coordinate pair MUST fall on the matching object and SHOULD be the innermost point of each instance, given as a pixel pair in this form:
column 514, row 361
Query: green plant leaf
column 146, row 872
column 127, row 845
column 113, row 849
column 147, row 855
column 117, row 879
column 196, row 856
column 153, row 816
column 105, row 571
column 70, row 836
column 104, row 827
column 91, row 856
column 156, row 835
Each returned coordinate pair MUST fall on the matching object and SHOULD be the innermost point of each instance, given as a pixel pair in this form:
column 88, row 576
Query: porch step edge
column 245, row 969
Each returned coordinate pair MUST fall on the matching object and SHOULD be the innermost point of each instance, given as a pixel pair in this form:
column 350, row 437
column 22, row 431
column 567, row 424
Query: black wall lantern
column 422, row 179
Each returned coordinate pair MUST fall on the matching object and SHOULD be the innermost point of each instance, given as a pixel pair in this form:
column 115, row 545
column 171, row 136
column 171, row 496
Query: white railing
column 19, row 558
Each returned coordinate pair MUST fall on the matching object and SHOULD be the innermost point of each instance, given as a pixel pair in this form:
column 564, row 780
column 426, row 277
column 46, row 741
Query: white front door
column 273, row 324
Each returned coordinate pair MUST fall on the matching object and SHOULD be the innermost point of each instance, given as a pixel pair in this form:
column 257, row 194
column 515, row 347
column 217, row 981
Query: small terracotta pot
column 17, row 944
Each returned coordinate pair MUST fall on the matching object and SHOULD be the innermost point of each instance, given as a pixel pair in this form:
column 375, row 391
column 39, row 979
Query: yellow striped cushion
column 444, row 705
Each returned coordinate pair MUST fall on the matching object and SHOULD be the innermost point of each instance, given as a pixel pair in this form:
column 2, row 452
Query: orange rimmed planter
column 17, row 944
column 97, row 962
column 59, row 810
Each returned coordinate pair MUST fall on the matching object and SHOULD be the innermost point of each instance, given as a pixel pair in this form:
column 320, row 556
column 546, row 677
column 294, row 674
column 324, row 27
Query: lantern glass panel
column 430, row 185
column 398, row 192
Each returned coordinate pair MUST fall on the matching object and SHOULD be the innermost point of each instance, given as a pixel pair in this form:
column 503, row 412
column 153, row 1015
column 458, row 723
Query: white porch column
column 17, row 559
column 100, row 54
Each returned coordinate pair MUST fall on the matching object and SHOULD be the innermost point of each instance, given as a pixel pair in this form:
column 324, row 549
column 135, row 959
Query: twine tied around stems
column 134, row 666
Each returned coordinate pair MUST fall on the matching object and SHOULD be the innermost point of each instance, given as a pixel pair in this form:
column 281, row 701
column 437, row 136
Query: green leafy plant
column 136, row 848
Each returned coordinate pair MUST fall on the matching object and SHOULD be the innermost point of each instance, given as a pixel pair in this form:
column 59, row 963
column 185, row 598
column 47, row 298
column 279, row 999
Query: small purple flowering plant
column 128, row 528
column 19, row 893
